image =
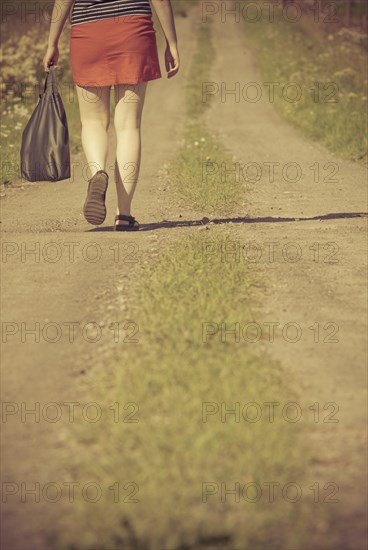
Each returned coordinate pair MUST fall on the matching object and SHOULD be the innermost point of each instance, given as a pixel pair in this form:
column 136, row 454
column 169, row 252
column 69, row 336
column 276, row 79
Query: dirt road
column 325, row 285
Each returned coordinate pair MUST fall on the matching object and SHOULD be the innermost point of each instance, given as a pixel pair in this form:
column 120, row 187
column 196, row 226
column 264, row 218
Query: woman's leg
column 129, row 102
column 94, row 109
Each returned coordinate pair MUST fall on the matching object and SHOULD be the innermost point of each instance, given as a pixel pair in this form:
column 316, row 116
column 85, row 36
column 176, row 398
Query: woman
column 113, row 42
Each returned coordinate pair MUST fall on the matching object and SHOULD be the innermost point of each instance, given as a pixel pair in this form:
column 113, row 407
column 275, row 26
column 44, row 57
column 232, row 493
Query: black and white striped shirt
column 85, row 11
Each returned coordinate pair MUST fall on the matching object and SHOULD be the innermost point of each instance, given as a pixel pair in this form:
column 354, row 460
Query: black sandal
column 94, row 207
column 133, row 225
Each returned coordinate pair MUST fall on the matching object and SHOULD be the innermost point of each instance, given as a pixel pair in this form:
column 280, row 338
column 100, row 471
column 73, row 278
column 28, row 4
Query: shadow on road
column 204, row 221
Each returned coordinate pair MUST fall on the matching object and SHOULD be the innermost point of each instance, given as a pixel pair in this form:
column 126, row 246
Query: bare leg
column 94, row 109
column 129, row 101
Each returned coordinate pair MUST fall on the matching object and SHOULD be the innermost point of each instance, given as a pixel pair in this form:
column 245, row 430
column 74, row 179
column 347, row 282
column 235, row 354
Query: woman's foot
column 94, row 208
column 126, row 223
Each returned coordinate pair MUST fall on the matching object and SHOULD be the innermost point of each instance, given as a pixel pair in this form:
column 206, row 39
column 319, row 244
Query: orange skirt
column 109, row 51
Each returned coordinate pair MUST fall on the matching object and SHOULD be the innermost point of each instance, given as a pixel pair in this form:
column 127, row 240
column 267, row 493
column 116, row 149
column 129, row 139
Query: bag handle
column 50, row 85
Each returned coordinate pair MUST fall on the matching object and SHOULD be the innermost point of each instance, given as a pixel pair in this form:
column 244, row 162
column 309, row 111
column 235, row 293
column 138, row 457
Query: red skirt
column 109, row 51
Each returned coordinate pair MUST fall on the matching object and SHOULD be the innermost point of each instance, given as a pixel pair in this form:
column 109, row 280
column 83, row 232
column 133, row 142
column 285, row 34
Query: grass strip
column 196, row 172
column 171, row 452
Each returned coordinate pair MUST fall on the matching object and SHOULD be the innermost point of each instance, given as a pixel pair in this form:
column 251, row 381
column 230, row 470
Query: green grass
column 200, row 71
column 197, row 172
column 170, row 452
column 289, row 52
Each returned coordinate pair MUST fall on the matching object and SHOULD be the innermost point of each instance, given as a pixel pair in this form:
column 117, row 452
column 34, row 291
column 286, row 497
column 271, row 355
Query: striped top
column 85, row 11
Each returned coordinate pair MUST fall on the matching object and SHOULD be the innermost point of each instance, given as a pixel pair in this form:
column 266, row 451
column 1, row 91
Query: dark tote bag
column 45, row 154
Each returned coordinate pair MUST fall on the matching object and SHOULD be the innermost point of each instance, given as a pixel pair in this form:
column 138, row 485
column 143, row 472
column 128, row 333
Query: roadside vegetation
column 330, row 74
column 23, row 79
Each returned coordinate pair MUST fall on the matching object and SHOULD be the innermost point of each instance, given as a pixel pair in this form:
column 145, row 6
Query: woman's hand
column 51, row 58
column 172, row 60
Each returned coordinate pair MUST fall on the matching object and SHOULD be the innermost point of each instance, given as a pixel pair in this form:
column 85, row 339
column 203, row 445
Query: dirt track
column 303, row 292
